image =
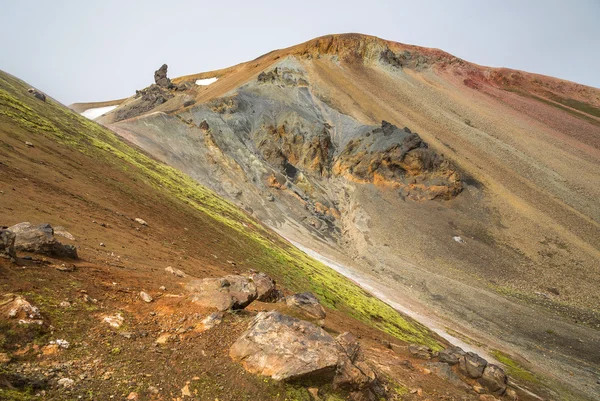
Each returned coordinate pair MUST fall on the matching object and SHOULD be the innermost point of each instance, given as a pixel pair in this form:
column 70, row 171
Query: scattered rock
column 7, row 244
column 265, row 287
column 472, row 364
column 210, row 321
column 115, row 321
column 307, row 303
column 17, row 307
column 66, row 267
column 229, row 292
column 60, row 343
column 4, row 358
column 133, row 396
column 458, row 239
column 29, row 144
column 102, row 244
column 286, row 348
column 494, row 379
column 185, row 391
column 40, row 239
column 65, row 304
column 176, row 272
column 37, row 94
column 162, row 288
column 145, row 297
column 140, row 221
column 420, row 351
column 66, row 382
column 163, row 339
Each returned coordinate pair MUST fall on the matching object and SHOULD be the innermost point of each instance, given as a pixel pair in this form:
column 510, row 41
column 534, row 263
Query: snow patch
column 206, row 81
column 96, row 112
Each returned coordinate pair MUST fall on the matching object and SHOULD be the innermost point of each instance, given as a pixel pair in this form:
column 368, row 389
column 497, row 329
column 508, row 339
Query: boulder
column 265, row 287
column 16, row 307
column 176, row 272
column 451, row 355
column 40, row 239
column 286, row 348
column 356, row 376
column 420, row 351
column 229, row 292
column 444, row 371
column 494, row 379
column 7, row 244
column 37, row 94
column 472, row 365
column 307, row 303
column 349, row 343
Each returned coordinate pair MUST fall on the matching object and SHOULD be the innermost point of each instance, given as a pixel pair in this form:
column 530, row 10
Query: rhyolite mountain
column 466, row 190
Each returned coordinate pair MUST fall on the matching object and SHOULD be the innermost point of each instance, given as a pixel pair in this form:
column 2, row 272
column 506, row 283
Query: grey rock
column 307, row 303
column 40, row 239
column 145, row 297
column 265, row 287
column 161, row 79
column 7, row 244
column 229, row 292
column 37, row 94
column 472, row 365
column 175, row 272
column 451, row 355
column 444, row 371
column 494, row 379
column 349, row 343
column 286, row 348
column 420, row 351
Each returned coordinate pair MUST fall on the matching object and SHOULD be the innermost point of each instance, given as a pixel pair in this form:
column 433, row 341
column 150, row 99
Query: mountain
column 459, row 194
column 457, row 188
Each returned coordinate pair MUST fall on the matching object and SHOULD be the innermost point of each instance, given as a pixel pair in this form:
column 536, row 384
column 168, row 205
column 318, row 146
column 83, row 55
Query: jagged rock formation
column 40, row 239
column 161, row 79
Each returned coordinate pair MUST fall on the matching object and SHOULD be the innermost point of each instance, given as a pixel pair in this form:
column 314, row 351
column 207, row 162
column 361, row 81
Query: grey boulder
column 265, row 287
column 494, row 379
column 307, row 303
column 472, row 365
column 7, row 244
column 40, row 239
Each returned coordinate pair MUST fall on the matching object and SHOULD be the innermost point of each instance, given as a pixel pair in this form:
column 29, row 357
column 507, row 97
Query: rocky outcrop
column 40, row 239
column 451, row 355
column 420, row 351
column 161, row 79
column 283, row 76
column 307, row 303
column 399, row 159
column 286, row 348
column 229, row 292
column 7, row 244
column 18, row 308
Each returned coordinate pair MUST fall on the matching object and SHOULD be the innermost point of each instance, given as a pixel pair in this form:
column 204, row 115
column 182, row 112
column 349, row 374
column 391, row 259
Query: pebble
column 66, row 382
column 102, row 244
column 29, row 144
column 145, row 297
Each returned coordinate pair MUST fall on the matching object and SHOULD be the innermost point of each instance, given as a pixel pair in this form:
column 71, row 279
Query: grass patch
column 514, row 369
column 292, row 267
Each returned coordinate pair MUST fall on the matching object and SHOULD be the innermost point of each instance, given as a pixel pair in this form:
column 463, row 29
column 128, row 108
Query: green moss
column 514, row 369
column 15, row 395
column 294, row 268
column 297, row 393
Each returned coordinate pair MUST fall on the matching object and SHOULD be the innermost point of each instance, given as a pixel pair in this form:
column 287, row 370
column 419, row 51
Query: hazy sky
column 85, row 50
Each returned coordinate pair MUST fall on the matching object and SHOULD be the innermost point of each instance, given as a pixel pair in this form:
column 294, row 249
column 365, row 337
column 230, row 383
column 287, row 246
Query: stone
column 29, row 144
column 4, row 358
column 115, row 321
column 145, row 297
column 37, row 94
column 511, row 394
column 353, row 376
column 61, row 231
column 161, row 79
column 185, row 391
column 451, row 355
column 175, row 272
column 229, row 292
column 7, row 244
column 494, row 379
column 141, row 221
column 16, row 307
column 40, row 239
column 163, row 339
column 66, row 382
column 472, row 365
column 265, row 287
column 314, row 393
column 444, row 371
column 133, row 396
column 349, row 343
column 286, row 348
column 210, row 321
column 307, row 303
column 420, row 351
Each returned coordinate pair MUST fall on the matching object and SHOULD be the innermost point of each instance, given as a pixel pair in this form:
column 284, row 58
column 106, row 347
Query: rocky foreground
column 282, row 337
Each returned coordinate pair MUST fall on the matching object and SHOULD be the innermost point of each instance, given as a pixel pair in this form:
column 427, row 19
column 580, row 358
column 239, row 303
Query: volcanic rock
column 37, row 94
column 420, row 351
column 161, row 79
column 286, row 348
column 494, row 379
column 472, row 364
column 40, row 239
column 307, row 303
column 265, row 287
column 7, row 244
column 451, row 355
column 229, row 292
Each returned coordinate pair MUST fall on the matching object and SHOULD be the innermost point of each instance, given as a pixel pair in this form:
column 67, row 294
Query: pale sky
column 86, row 50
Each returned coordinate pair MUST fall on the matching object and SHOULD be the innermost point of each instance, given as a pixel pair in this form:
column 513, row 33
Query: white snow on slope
column 97, row 112
column 206, row 81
